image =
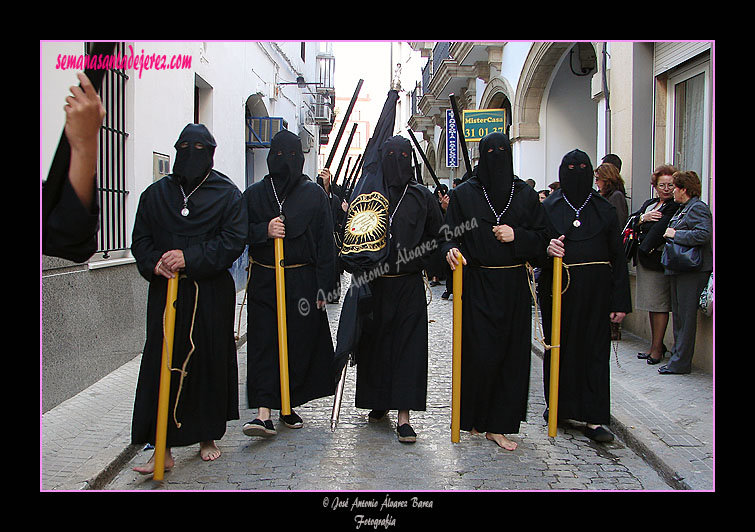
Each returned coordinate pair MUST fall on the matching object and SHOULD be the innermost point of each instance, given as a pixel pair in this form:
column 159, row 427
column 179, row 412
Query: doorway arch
column 553, row 109
column 497, row 95
column 537, row 71
column 254, row 106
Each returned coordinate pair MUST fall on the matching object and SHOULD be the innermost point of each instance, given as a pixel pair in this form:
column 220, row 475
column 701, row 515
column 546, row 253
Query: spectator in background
column 611, row 186
column 653, row 287
column 692, row 225
column 613, row 159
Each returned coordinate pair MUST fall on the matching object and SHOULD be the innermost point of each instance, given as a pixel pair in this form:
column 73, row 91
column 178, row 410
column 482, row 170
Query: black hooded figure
column 196, row 214
column 392, row 352
column 195, row 149
column 498, row 224
column 309, row 259
column 597, row 293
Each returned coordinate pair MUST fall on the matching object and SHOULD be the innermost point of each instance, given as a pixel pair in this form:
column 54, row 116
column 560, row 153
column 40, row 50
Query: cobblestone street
column 364, row 456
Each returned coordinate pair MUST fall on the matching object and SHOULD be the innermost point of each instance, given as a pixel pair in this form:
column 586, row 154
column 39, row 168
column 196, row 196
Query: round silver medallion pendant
column 184, row 212
column 576, row 223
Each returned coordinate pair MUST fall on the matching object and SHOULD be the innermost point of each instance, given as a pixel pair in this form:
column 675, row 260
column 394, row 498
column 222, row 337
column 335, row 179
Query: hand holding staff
column 456, row 261
column 164, row 393
column 280, row 292
column 556, row 250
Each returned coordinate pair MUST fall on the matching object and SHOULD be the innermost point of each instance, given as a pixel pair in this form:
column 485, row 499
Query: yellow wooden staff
column 555, row 347
column 456, row 364
column 280, row 291
column 169, row 327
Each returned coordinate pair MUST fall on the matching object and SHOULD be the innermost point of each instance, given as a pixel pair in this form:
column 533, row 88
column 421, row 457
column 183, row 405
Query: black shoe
column 445, row 295
column 647, row 355
column 292, row 421
column 376, row 415
column 259, row 428
column 664, row 370
column 598, row 434
column 406, row 434
column 653, row 361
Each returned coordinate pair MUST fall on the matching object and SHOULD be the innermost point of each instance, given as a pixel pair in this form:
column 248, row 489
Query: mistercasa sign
column 480, row 122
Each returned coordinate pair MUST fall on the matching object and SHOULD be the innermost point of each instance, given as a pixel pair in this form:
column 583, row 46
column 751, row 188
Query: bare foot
column 149, row 467
column 474, row 432
column 208, row 450
column 502, row 441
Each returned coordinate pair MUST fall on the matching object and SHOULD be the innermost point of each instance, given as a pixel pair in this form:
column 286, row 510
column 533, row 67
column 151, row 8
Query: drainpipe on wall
column 608, row 102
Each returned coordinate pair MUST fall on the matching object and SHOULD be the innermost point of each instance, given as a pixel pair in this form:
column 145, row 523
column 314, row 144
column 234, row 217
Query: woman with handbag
column 653, row 292
column 690, row 229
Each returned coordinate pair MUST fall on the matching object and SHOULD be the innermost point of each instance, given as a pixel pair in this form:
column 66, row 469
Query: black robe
column 496, row 318
column 335, row 198
column 308, row 242
column 594, row 291
column 392, row 353
column 437, row 265
column 212, row 237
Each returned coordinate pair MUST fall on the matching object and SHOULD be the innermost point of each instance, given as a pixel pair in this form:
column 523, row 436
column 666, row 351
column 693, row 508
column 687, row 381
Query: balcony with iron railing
column 450, row 69
column 326, row 66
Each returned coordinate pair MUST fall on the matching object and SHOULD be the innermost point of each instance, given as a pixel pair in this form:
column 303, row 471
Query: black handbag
column 630, row 239
column 679, row 258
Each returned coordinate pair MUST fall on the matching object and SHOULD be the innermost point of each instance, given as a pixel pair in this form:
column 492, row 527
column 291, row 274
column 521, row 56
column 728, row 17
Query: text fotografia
column 130, row 60
column 358, row 505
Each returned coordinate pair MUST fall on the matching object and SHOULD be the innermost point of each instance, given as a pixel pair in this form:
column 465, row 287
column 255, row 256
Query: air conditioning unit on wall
column 307, row 138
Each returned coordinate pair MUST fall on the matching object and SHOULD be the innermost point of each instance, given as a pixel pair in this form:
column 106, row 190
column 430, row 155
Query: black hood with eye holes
column 193, row 163
column 576, row 186
column 575, row 176
column 396, row 163
column 285, row 162
column 496, row 168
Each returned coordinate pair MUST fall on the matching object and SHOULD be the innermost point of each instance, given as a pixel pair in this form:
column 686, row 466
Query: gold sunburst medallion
column 366, row 224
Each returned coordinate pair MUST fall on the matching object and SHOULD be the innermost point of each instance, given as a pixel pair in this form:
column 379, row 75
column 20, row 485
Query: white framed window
column 688, row 145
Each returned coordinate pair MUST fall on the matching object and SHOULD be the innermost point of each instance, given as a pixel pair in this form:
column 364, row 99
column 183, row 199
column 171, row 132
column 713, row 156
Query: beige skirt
column 653, row 290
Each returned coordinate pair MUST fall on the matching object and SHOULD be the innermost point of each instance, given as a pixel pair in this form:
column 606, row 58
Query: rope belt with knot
column 531, row 279
column 182, row 370
column 271, row 267
column 246, row 287
column 567, row 266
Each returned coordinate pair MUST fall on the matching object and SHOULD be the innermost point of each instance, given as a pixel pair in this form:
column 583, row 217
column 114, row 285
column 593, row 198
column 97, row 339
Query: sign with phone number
column 480, row 122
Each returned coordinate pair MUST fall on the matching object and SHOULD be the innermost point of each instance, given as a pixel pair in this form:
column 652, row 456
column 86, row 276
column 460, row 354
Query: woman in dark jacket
column 692, row 225
column 611, row 186
column 653, row 287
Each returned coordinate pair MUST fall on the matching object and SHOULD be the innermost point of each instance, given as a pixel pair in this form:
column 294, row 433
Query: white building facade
column 93, row 314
